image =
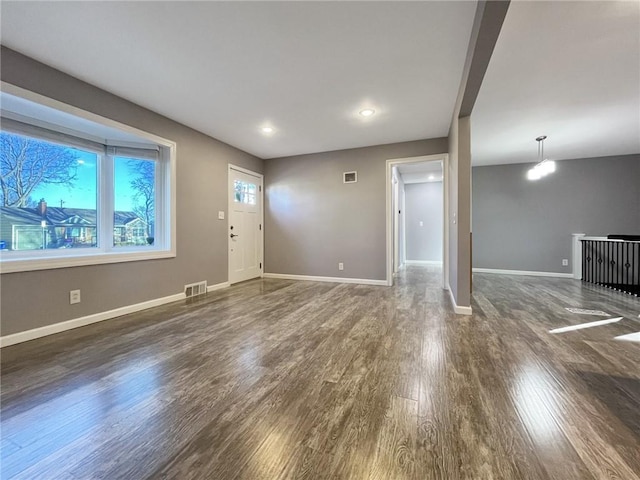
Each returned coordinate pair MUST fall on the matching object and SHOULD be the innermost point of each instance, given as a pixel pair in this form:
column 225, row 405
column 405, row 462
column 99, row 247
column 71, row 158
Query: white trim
column 311, row 278
column 459, row 310
column 423, row 262
column 522, row 272
column 10, row 266
column 217, row 286
column 94, row 318
column 445, row 223
column 245, row 170
column 444, row 158
column 395, row 207
column 576, row 253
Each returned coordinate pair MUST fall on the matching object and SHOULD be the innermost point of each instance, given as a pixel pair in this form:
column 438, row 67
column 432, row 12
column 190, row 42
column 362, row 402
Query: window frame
column 165, row 198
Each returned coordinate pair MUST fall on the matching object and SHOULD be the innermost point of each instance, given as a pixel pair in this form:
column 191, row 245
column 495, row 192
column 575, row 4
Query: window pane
column 237, row 188
column 49, row 195
column 244, row 192
column 134, row 194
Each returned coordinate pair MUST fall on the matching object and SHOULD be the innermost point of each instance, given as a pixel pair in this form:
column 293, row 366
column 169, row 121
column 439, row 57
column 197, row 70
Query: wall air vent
column 194, row 289
column 350, row 177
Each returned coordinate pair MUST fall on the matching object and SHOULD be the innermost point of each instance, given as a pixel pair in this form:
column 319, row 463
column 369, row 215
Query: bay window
column 79, row 189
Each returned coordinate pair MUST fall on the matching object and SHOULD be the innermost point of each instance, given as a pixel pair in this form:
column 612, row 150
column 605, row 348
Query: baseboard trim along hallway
column 310, row 278
column 522, row 272
column 456, row 308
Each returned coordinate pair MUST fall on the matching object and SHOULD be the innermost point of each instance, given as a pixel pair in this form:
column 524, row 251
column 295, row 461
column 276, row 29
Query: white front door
column 245, row 224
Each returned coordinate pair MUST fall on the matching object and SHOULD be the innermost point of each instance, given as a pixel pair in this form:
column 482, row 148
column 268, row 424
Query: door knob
column 234, row 235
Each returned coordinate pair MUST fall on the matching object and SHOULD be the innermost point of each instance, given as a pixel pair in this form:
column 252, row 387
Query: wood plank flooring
column 276, row 379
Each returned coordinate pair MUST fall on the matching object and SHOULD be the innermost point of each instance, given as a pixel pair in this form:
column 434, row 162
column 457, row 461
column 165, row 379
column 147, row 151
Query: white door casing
column 390, row 212
column 245, row 234
column 396, row 219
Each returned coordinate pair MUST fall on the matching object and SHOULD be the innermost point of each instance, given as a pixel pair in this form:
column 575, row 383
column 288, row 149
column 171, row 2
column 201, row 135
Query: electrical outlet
column 565, row 262
column 341, row 266
column 74, row 296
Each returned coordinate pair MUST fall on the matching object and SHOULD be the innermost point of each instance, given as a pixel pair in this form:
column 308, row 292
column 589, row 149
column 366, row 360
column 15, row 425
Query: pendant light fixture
column 543, row 167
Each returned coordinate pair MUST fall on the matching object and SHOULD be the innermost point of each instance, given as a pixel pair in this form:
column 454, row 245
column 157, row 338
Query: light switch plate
column 220, row 215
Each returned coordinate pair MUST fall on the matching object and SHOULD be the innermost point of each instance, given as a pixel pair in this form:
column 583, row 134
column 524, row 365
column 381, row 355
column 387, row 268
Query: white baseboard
column 361, row 281
column 423, row 262
column 94, row 318
column 217, row 286
column 459, row 310
column 523, row 272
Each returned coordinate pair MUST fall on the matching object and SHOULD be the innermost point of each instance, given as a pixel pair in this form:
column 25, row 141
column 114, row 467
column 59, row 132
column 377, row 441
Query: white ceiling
column 568, row 70
column 32, row 113
column 422, row 172
column 229, row 68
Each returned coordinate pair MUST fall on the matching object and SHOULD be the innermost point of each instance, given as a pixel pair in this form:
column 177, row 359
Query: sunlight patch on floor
column 580, row 326
column 630, row 337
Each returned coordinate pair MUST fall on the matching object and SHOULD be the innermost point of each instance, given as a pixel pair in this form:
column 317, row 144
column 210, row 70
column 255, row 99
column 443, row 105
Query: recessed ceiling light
column 267, row 129
column 367, row 112
column 431, row 177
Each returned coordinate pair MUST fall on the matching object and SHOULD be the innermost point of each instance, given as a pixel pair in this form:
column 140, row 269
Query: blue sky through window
column 83, row 192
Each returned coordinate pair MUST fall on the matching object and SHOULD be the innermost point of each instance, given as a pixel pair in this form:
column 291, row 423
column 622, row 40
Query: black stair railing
column 612, row 263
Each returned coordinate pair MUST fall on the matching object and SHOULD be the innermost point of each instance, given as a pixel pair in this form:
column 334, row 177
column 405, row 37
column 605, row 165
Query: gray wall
column 523, row 225
column 424, row 204
column 36, row 299
column 313, row 220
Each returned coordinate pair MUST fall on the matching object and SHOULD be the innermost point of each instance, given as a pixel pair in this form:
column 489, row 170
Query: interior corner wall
column 40, row 298
column 313, row 220
column 525, row 225
column 423, row 221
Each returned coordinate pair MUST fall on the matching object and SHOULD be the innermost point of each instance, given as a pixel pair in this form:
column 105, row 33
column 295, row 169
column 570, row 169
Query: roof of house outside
column 62, row 216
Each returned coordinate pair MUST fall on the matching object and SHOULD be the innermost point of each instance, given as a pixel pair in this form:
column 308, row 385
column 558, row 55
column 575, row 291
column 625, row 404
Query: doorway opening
column 245, row 232
column 417, row 212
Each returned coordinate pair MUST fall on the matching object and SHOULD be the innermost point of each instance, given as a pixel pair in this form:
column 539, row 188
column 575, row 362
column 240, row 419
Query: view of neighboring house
column 25, row 228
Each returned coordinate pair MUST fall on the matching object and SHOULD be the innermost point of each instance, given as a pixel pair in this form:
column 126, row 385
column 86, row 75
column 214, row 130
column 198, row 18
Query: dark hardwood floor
column 276, row 379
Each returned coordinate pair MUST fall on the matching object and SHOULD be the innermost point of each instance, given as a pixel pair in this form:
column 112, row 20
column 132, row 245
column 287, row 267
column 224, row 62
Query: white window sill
column 9, row 265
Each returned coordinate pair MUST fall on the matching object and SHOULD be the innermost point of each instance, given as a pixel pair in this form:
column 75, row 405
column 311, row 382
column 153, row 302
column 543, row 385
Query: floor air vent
column 194, row 289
